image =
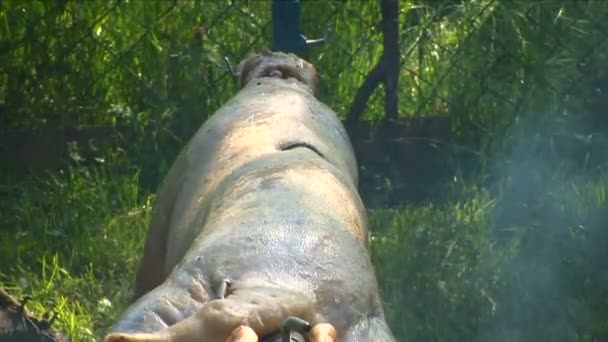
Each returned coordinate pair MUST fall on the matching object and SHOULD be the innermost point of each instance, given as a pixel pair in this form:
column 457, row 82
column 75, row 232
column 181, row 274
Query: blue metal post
column 286, row 32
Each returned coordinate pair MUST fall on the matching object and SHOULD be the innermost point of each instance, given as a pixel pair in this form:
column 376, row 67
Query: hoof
column 323, row 332
column 243, row 334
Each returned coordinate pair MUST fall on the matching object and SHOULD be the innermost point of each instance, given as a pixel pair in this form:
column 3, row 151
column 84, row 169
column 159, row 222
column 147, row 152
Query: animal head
column 278, row 65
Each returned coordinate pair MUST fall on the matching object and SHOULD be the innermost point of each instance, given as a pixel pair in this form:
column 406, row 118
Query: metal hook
column 319, row 41
column 293, row 329
column 287, row 34
column 294, row 324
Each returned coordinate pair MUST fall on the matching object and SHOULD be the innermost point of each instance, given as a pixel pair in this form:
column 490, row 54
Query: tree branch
column 372, row 80
column 390, row 30
column 386, row 71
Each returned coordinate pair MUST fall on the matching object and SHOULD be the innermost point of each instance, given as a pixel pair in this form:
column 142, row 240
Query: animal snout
column 275, row 73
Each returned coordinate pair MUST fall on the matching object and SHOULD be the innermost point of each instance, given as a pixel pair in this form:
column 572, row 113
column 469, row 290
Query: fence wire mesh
column 472, row 69
column 457, row 58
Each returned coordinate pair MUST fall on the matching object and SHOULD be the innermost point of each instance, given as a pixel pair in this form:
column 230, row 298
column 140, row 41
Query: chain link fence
column 467, row 72
column 436, row 36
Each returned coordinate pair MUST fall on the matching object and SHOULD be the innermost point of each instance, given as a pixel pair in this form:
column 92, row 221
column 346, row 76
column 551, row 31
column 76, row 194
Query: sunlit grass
column 70, row 242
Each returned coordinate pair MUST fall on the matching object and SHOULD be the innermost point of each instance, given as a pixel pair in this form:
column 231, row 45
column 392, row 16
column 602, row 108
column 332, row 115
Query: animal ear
column 314, row 82
column 137, row 337
column 245, row 68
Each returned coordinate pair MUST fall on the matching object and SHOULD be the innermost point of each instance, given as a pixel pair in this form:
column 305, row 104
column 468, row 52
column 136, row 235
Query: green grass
column 449, row 272
column 502, row 265
column 71, row 241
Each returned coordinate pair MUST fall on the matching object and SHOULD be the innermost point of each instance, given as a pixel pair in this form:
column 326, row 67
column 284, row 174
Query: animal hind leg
column 152, row 269
column 261, row 308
